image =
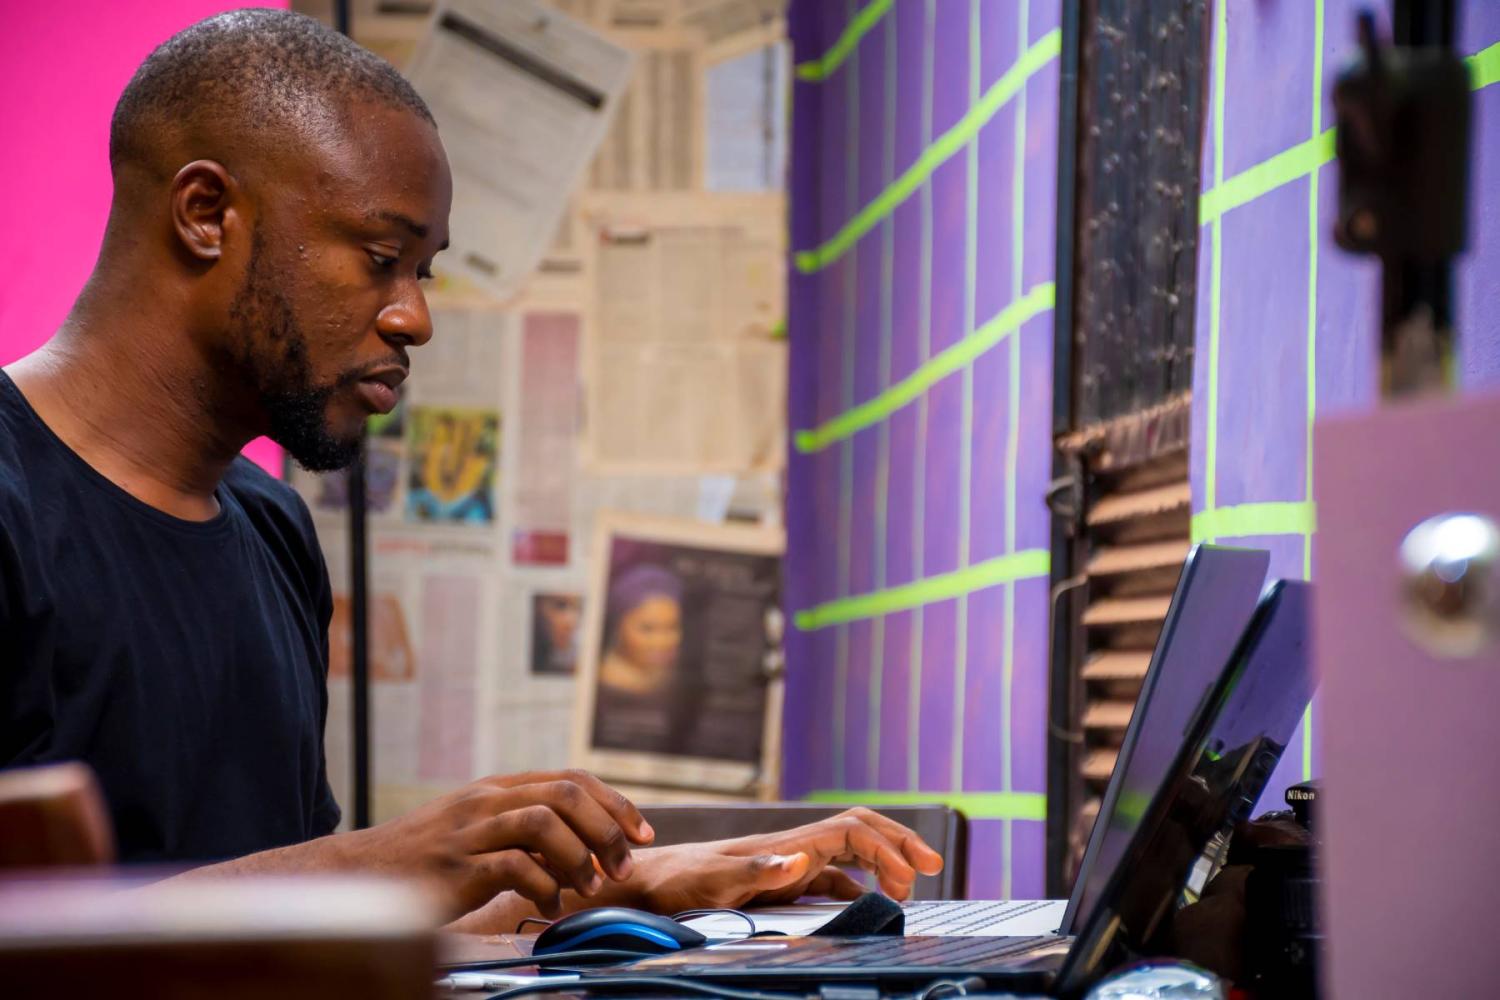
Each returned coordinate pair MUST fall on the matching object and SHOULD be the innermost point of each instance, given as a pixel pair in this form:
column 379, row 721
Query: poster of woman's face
column 683, row 641
column 555, row 623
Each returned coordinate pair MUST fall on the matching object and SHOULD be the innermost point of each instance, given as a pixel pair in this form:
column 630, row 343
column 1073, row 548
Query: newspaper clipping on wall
column 523, row 96
column 686, row 371
column 556, row 622
column 548, row 438
column 684, row 636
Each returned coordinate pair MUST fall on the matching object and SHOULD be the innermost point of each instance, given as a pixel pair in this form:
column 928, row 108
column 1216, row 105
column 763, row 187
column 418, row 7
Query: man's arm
column 535, row 834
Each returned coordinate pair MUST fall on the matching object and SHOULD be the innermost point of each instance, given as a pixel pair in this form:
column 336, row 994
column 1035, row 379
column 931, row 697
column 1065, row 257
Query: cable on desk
column 689, row 914
column 667, row 983
column 934, row 990
column 521, row 927
column 550, row 961
column 960, row 987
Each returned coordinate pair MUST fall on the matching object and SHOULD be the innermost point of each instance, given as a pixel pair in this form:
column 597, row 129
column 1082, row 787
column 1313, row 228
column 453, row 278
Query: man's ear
column 201, row 193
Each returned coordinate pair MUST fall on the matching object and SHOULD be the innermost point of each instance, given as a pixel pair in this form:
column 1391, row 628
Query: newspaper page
column 724, row 23
column 449, row 682
column 523, row 96
column 681, row 653
column 433, row 605
column 548, row 438
column 685, row 369
column 556, row 621
column 746, row 130
column 654, row 143
column 451, row 421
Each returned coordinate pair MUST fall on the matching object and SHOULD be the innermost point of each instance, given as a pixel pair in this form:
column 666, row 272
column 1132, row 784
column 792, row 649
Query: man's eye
column 380, row 259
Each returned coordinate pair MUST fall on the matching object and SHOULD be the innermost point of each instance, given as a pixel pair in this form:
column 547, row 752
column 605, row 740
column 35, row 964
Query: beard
column 270, row 347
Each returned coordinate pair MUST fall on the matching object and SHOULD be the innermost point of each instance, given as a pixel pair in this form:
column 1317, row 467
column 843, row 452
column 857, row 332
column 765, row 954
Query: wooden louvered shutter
column 1129, row 150
column 1132, row 539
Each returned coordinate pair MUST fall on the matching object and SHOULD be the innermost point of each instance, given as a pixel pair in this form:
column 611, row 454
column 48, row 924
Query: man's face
column 332, row 295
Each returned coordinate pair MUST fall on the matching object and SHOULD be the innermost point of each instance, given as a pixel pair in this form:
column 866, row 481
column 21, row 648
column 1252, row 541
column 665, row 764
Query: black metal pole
column 1417, row 294
column 359, row 597
column 359, row 620
column 1061, row 754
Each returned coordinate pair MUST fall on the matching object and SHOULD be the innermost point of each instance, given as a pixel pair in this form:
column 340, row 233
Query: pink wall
column 62, row 66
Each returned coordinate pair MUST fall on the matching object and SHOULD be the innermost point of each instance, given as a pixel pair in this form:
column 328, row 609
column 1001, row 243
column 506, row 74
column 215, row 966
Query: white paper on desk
column 798, row 920
column 804, row 918
column 523, row 95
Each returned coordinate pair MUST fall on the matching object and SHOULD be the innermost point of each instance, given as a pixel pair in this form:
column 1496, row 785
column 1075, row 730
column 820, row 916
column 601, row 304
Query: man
column 279, row 194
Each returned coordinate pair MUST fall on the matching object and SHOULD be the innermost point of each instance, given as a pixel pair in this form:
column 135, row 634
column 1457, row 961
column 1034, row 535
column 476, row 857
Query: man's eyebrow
column 417, row 229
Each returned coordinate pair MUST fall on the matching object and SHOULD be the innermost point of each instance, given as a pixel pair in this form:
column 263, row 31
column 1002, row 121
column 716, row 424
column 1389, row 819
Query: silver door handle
column 1450, row 584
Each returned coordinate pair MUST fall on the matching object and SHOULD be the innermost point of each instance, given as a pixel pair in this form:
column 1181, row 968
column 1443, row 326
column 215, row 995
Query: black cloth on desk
column 184, row 661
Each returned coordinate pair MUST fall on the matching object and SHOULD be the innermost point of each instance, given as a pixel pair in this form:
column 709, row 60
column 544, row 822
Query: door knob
column 1450, row 586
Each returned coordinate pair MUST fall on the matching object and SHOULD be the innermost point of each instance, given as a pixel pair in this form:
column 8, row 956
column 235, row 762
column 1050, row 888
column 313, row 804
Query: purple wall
column 932, row 504
column 1291, row 331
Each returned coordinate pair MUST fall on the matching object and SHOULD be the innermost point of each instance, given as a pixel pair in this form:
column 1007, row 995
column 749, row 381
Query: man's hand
column 772, row 868
column 537, row 834
column 764, row 869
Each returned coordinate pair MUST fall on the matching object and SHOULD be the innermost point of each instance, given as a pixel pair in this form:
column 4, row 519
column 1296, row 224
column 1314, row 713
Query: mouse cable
column 690, row 914
column 959, row 987
column 550, row 961
column 521, row 927
column 635, row 983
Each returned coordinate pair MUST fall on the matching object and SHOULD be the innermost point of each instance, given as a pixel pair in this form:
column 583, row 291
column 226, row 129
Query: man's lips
column 378, row 388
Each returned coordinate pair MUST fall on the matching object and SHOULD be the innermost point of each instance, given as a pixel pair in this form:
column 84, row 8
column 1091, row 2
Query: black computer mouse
column 615, row 928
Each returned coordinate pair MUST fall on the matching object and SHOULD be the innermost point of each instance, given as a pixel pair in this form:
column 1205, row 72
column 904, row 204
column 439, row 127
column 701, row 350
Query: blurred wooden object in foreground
column 53, row 816
column 291, row 937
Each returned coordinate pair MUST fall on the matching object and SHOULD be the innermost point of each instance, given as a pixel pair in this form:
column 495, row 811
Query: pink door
column 1411, row 736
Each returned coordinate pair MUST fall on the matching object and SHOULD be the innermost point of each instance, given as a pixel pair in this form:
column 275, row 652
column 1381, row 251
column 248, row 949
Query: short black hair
column 252, row 69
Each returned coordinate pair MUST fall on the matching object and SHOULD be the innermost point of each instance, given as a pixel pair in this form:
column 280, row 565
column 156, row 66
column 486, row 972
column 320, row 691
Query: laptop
column 1219, row 773
column 1214, row 598
column 1254, row 699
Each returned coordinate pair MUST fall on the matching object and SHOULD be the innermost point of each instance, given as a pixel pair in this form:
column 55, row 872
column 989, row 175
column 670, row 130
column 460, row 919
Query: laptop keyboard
column 906, row 951
column 962, row 918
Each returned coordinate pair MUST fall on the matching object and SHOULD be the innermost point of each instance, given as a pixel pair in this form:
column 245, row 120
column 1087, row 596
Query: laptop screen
column 1215, row 781
column 1213, row 602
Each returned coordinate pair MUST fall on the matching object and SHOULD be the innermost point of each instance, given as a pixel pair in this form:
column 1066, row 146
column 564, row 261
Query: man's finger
column 890, row 882
column 519, row 872
column 834, row 883
column 912, row 847
column 863, row 844
column 539, row 830
column 595, row 827
column 620, row 808
column 897, row 890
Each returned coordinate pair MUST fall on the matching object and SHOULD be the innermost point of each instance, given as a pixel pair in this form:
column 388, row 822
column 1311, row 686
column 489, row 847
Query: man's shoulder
column 276, row 511
column 256, row 488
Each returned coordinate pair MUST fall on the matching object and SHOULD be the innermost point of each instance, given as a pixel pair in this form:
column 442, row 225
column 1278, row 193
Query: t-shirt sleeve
column 13, row 675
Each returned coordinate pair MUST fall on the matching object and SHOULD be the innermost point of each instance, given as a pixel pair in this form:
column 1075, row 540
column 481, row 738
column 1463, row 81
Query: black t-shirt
column 184, row 661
